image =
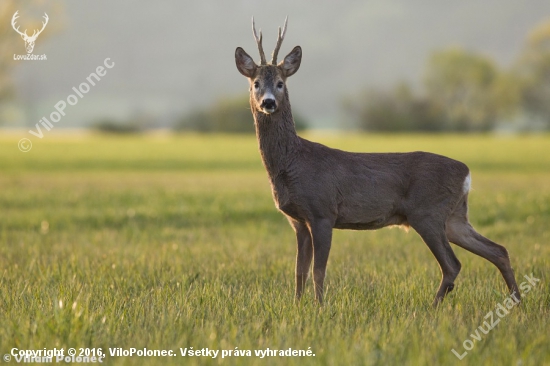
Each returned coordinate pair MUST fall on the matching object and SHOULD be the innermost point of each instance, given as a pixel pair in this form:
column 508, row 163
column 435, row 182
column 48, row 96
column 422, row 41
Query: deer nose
column 269, row 103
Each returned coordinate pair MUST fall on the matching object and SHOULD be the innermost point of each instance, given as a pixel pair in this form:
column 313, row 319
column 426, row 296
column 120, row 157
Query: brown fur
column 319, row 188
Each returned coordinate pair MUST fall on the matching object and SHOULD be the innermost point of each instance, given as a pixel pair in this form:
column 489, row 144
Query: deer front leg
column 321, row 234
column 304, row 254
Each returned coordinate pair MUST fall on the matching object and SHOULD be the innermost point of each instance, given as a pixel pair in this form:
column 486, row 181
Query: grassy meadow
column 169, row 242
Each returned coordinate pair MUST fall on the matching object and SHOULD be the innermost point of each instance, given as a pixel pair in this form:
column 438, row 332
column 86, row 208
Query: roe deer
column 319, row 188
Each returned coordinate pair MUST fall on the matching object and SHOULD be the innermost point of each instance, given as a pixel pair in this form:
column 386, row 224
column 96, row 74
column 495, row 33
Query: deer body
column 319, row 188
column 353, row 190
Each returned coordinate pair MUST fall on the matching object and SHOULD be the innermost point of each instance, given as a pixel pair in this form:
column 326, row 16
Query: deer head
column 29, row 40
column 268, row 81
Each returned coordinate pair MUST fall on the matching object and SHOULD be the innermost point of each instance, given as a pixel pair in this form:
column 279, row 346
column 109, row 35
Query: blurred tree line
column 231, row 114
column 465, row 91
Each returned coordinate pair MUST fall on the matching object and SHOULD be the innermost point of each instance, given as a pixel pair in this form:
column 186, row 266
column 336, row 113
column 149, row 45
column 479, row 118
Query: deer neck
column 277, row 138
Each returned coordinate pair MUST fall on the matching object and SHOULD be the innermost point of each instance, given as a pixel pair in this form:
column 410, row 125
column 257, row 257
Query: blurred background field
column 173, row 241
column 376, row 65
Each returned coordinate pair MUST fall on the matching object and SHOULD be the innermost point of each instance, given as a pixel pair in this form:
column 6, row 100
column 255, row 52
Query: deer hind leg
column 432, row 231
column 460, row 232
column 304, row 255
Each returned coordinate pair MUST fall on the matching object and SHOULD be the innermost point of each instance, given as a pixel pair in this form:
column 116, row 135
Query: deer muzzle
column 268, row 105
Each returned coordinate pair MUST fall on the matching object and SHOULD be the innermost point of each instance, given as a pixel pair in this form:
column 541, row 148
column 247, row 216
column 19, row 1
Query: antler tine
column 43, row 24
column 280, row 38
column 259, row 42
column 13, row 21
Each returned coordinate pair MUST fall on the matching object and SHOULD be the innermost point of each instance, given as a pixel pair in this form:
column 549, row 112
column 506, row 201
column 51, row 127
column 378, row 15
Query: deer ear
column 291, row 63
column 245, row 63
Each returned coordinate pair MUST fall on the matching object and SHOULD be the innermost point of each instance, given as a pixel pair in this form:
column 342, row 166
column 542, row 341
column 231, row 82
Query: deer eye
column 280, row 85
column 256, row 85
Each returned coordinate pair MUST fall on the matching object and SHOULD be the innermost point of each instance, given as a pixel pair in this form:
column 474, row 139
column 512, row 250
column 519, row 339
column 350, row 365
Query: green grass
column 173, row 241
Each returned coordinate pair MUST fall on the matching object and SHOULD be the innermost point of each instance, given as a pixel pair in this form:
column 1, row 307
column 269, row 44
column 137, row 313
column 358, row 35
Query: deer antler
column 13, row 19
column 259, row 42
column 280, row 38
column 24, row 34
column 34, row 35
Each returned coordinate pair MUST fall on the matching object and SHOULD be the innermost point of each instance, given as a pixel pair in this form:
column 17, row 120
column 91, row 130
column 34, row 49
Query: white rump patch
column 467, row 184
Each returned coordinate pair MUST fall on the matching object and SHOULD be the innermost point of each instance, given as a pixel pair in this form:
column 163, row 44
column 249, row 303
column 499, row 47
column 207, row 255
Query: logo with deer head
column 29, row 40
